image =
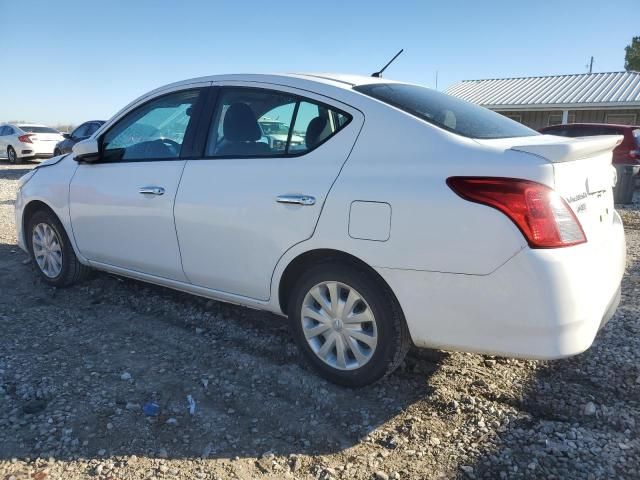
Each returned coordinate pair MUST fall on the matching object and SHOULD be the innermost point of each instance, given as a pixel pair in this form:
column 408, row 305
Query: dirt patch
column 78, row 366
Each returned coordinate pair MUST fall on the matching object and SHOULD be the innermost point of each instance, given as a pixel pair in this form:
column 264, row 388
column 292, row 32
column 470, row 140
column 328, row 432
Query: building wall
column 539, row 119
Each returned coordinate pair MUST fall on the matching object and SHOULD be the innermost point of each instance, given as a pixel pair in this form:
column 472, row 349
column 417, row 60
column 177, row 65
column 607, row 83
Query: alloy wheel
column 47, row 250
column 339, row 325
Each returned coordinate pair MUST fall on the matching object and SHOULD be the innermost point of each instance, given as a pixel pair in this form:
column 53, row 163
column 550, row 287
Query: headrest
column 240, row 124
column 314, row 130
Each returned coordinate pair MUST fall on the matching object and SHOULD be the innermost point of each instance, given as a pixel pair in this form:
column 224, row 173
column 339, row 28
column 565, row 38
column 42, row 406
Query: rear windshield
column 30, row 129
column 447, row 112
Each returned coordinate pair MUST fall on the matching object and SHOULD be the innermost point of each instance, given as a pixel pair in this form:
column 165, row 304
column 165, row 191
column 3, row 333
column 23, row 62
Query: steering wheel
column 175, row 146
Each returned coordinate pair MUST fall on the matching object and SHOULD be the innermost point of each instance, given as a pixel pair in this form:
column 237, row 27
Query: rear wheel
column 12, row 156
column 347, row 324
column 51, row 251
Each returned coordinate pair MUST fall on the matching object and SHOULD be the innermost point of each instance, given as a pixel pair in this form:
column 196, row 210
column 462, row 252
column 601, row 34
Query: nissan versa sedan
column 407, row 216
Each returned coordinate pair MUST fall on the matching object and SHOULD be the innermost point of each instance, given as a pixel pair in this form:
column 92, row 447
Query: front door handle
column 297, row 199
column 152, row 190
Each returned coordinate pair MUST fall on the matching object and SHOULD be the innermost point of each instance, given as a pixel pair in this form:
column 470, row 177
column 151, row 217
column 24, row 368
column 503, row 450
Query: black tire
column 56, row 152
column 12, row 156
column 72, row 270
column 393, row 336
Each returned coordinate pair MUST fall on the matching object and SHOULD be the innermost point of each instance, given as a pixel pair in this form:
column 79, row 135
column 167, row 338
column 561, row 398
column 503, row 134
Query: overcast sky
column 68, row 61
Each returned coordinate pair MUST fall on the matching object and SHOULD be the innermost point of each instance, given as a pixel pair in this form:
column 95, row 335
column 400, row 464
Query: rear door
column 271, row 156
column 122, row 207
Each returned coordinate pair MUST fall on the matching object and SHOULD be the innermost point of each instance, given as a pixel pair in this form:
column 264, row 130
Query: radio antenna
column 379, row 74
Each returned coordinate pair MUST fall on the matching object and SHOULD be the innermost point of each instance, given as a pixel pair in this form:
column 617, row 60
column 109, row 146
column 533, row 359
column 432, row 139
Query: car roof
column 29, row 125
column 321, row 83
column 341, row 80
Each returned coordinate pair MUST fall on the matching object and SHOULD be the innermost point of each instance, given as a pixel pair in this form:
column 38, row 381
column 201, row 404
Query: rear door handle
column 297, row 199
column 152, row 190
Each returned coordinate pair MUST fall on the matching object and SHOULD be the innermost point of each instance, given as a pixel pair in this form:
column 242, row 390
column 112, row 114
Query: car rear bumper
column 44, row 148
column 34, row 150
column 541, row 304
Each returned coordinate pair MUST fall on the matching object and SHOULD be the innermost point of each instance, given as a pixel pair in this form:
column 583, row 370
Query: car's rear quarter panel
column 405, row 163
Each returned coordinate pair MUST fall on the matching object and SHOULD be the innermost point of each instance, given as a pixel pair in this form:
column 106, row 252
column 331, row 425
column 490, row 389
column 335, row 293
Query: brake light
column 25, row 138
column 543, row 216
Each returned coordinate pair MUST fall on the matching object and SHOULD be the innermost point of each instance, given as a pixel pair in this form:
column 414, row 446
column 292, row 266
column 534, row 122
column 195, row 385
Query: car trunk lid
column 45, row 137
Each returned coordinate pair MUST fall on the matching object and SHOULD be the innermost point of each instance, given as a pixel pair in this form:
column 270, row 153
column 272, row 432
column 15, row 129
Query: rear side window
column 250, row 122
column 30, row 129
column 447, row 112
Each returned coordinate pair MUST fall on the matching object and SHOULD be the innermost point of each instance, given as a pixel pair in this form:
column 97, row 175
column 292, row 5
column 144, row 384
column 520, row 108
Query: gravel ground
column 78, row 365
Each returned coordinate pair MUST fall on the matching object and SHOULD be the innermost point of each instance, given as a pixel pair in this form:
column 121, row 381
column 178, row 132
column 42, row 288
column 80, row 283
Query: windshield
column 447, row 112
column 33, row 129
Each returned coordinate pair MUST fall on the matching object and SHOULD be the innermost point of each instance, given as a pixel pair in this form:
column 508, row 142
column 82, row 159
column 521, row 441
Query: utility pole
column 591, row 65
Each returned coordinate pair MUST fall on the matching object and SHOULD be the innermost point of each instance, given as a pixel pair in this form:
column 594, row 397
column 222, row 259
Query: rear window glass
column 30, row 129
column 447, row 112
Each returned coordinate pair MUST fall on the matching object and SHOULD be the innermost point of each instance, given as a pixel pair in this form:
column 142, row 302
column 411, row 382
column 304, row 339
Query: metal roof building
column 612, row 97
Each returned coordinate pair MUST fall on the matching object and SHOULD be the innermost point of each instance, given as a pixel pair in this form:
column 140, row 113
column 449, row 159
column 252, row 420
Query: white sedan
column 407, row 216
column 23, row 141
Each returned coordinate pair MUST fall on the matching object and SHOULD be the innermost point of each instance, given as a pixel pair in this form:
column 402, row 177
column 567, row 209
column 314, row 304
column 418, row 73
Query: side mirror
column 87, row 151
column 66, row 135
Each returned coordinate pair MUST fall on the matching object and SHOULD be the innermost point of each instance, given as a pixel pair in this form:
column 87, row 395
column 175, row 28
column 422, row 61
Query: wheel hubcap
column 339, row 325
column 47, row 250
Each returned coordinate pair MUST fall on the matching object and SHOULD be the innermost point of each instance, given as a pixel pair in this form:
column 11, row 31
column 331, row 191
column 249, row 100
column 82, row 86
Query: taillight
column 25, row 138
column 543, row 217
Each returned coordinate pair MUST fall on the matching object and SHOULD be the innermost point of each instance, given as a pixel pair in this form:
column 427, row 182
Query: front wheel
column 347, row 324
column 57, row 152
column 51, row 251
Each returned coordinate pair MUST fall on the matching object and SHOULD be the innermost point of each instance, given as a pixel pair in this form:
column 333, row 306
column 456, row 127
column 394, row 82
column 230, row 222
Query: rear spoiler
column 566, row 150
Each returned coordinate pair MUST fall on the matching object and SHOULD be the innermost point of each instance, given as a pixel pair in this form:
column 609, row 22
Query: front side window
column 91, row 128
column 154, row 131
column 251, row 122
column 80, row 132
column 446, row 112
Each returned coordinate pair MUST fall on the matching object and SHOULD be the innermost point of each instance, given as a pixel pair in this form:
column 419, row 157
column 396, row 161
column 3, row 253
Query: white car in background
column 24, row 141
column 407, row 216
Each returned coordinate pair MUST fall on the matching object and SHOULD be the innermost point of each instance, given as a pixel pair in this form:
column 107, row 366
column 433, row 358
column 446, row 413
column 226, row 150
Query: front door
column 122, row 206
column 270, row 159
